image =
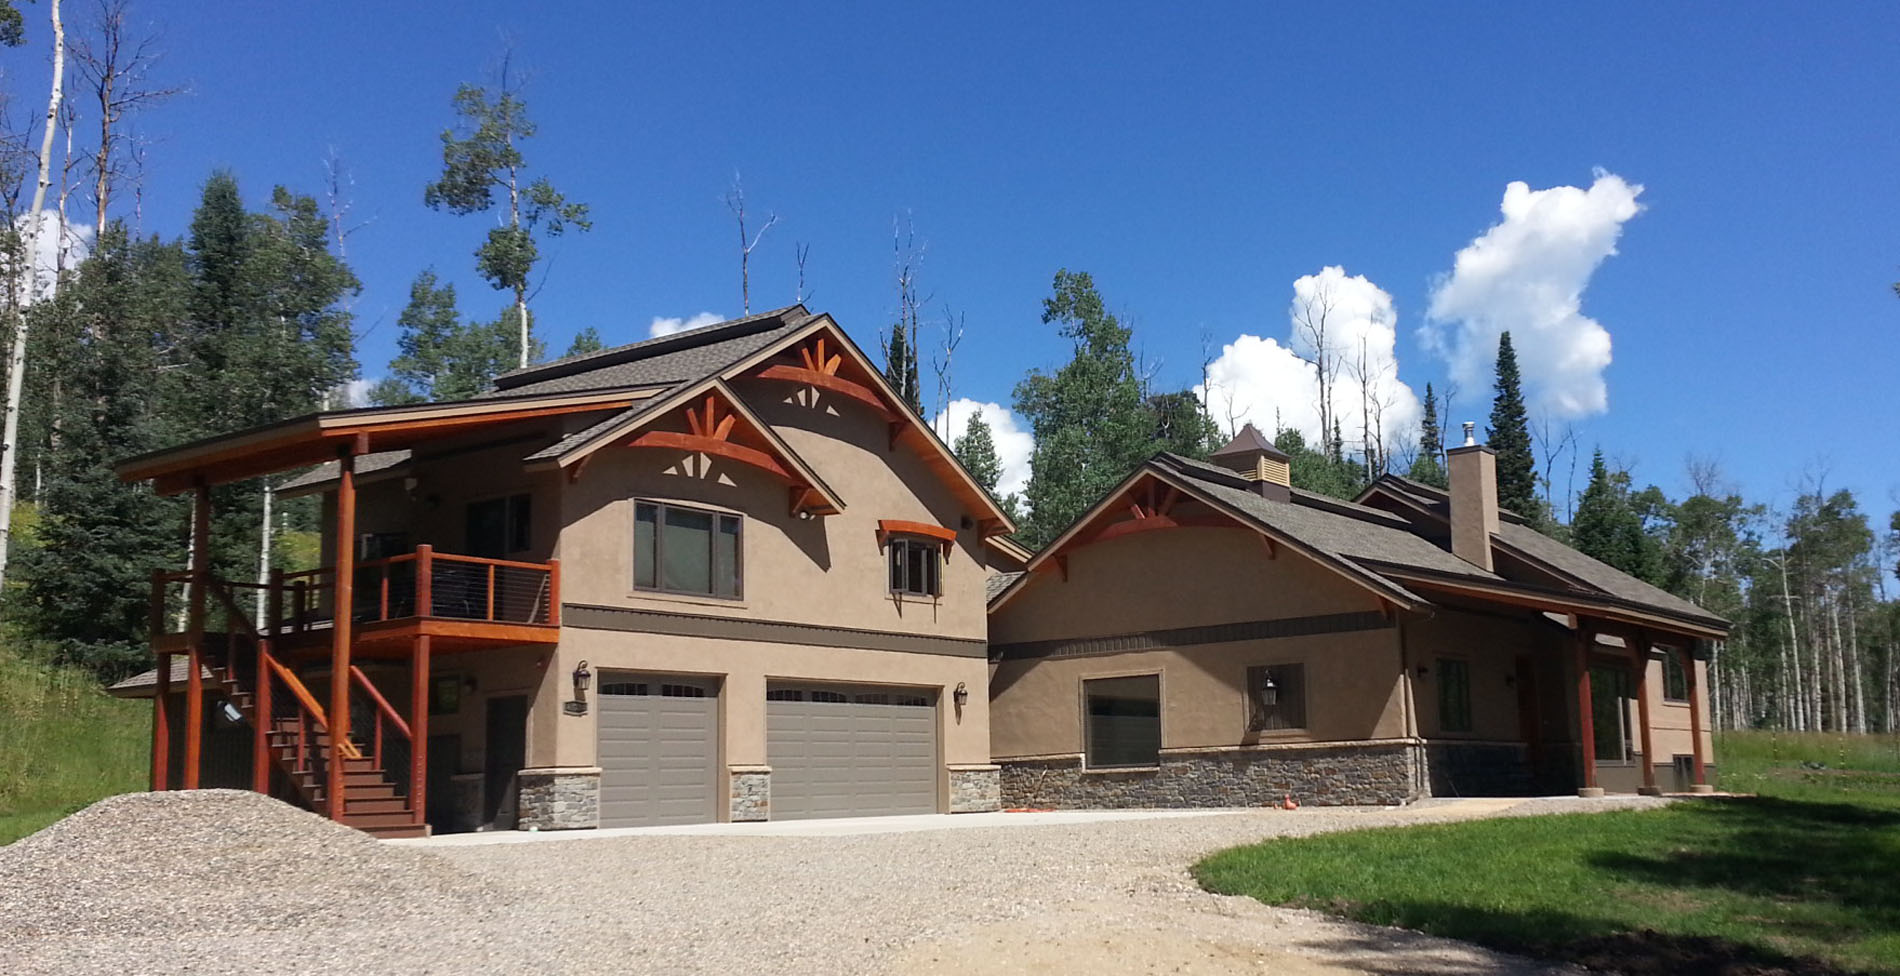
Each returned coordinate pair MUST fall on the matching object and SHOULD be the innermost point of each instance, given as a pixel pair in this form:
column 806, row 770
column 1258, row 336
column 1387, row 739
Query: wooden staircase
column 297, row 740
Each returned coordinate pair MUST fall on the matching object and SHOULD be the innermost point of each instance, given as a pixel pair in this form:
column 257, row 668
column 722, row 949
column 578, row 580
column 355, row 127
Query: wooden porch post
column 343, row 610
column 419, row 730
column 161, row 726
column 1640, row 657
column 195, row 634
column 1586, row 715
column 1701, row 784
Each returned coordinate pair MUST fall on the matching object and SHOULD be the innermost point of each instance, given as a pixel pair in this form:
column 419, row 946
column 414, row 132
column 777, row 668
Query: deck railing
column 429, row 584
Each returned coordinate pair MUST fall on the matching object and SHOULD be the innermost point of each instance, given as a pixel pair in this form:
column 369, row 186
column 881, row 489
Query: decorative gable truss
column 1149, row 504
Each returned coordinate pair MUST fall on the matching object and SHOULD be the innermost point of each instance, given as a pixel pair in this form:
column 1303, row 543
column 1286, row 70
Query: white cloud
column 666, row 327
column 53, row 250
column 356, row 392
column 1273, row 384
column 1014, row 445
column 1526, row 274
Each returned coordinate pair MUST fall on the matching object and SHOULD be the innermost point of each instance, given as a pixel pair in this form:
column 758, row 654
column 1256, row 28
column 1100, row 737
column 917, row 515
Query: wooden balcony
column 462, row 602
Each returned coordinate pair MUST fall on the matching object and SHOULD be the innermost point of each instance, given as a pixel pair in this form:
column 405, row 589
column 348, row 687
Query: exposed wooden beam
column 701, row 444
column 834, row 384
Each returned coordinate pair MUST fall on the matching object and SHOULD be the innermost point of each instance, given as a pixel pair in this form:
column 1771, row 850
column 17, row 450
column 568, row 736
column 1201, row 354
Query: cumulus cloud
column 356, row 392
column 1526, row 275
column 54, row 247
column 1275, row 384
column 665, row 327
column 1014, row 445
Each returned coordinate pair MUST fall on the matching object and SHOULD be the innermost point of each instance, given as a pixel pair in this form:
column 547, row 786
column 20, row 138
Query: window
column 686, row 550
column 1276, row 697
column 1124, row 721
column 1675, row 681
column 498, row 526
column 915, row 565
column 1454, row 695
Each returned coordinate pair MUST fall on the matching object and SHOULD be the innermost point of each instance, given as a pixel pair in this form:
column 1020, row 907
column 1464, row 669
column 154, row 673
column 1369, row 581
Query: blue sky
column 1197, row 164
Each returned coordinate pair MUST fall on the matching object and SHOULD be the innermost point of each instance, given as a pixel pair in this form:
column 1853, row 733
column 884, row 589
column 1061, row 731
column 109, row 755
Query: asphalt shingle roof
column 996, row 583
column 327, row 471
column 664, row 361
column 1598, row 575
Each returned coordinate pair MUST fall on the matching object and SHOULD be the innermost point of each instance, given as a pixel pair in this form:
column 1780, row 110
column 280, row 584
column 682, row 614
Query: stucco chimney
column 1474, row 500
column 1256, row 459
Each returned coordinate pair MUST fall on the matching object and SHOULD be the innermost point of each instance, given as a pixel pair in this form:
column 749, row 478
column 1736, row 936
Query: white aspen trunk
column 1854, row 668
column 263, row 557
column 1797, row 697
column 16, row 359
column 521, row 291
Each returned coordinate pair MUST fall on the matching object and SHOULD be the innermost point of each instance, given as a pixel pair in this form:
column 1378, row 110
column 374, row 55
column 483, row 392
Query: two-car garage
column 834, row 750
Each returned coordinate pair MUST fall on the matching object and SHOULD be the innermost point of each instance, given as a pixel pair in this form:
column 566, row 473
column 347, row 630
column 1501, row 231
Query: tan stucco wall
column 1175, row 578
column 827, row 571
column 1490, row 647
column 1669, row 720
column 1186, row 578
column 1352, row 692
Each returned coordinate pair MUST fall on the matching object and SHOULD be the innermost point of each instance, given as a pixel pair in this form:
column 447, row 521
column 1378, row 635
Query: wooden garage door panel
column 657, row 760
column 848, row 759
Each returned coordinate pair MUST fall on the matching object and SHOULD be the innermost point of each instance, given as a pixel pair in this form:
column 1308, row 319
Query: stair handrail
column 309, row 703
column 385, row 713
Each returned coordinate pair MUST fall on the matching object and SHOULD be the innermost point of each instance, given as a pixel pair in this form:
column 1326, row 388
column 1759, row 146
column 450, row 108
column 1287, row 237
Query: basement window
column 1124, row 721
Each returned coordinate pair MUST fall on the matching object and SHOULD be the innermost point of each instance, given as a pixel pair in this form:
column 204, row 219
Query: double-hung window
column 916, row 566
column 687, row 550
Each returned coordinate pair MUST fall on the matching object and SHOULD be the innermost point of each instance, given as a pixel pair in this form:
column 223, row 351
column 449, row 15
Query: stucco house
column 1207, row 635
column 720, row 575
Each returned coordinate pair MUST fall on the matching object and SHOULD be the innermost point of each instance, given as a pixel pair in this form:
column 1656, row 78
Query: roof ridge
column 584, row 362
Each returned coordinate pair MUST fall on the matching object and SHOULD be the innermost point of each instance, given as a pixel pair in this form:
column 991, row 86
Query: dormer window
column 916, row 566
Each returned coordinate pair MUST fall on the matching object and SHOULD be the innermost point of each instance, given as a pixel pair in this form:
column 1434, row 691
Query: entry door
column 506, row 752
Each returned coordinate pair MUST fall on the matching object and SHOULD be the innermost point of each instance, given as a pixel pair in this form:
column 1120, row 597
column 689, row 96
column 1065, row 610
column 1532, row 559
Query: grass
column 1798, row 879
column 63, row 744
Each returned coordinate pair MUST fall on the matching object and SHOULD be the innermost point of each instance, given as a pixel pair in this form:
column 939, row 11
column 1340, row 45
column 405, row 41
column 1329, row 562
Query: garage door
column 851, row 752
column 658, row 749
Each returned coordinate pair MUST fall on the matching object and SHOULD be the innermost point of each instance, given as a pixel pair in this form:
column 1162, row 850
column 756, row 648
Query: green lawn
column 1804, row 878
column 63, row 744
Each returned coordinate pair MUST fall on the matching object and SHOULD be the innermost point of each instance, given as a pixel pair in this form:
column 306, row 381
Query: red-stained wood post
column 1640, row 649
column 162, row 725
column 554, row 592
column 1701, row 784
column 195, row 634
column 343, row 611
column 419, row 729
column 1586, row 713
column 261, row 720
column 425, row 580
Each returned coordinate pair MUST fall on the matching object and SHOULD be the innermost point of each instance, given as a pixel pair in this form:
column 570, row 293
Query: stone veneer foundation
column 751, row 796
column 1372, row 774
column 976, row 788
column 559, row 798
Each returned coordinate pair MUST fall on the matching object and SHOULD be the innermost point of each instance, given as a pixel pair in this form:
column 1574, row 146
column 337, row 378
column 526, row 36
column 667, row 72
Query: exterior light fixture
column 231, row 713
column 961, row 696
column 582, row 678
column 1269, row 692
column 1423, row 670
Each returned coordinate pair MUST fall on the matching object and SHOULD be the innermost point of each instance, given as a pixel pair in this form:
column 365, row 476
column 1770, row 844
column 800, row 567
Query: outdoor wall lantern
column 231, row 713
column 961, row 696
column 582, row 678
column 1269, row 692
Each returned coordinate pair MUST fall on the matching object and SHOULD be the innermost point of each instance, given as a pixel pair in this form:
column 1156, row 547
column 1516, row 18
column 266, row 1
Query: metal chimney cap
column 1470, row 439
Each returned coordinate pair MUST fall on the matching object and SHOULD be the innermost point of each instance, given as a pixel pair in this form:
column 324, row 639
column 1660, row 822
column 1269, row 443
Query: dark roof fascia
column 1554, row 595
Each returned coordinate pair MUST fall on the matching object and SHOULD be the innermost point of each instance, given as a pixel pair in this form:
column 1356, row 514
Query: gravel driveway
column 1099, row 898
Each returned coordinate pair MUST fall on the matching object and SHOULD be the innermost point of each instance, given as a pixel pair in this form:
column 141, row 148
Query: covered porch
column 305, row 662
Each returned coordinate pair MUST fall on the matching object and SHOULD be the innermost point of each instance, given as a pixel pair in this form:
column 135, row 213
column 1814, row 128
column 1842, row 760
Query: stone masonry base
column 559, row 798
column 1373, row 774
column 976, row 788
column 751, row 797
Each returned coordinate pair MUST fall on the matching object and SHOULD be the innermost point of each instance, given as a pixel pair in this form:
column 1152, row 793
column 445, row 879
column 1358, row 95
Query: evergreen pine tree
column 976, row 449
column 1429, row 467
column 1318, row 471
column 1510, row 436
column 900, row 364
column 585, row 341
column 1091, row 422
column 1609, row 524
column 86, row 577
column 1182, row 424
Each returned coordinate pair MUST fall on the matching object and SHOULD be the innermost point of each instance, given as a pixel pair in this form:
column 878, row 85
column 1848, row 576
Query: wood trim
column 890, row 527
column 835, row 384
column 1502, row 591
column 1177, row 637
column 699, row 443
column 626, row 619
